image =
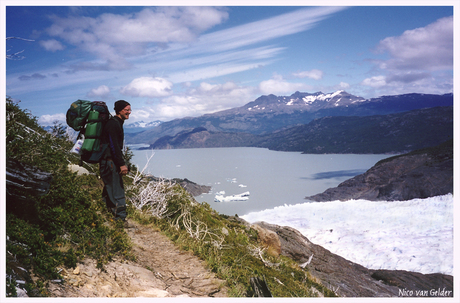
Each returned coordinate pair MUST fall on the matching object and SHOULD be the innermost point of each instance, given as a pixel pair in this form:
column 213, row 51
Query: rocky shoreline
column 419, row 174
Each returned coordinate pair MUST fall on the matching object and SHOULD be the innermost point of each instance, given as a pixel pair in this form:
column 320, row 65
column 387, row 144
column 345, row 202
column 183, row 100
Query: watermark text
column 439, row 292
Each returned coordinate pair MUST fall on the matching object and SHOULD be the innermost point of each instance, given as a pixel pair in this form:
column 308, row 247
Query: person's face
column 124, row 113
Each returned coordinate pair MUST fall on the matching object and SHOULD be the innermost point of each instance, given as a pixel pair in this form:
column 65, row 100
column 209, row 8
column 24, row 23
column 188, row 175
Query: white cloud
column 344, row 85
column 427, row 48
column 51, row 45
column 421, row 60
column 315, row 74
column 101, row 91
column 114, row 38
column 148, row 87
column 198, row 100
column 267, row 29
column 141, row 114
column 376, row 81
column 277, row 85
column 48, row 120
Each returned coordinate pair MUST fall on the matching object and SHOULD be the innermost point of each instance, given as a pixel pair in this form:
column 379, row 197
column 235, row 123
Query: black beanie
column 119, row 105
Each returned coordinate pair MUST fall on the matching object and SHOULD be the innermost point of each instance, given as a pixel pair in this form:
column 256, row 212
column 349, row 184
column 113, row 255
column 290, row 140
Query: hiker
column 112, row 165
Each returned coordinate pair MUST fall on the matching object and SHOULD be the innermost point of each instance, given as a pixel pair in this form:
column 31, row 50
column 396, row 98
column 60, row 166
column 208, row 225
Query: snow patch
column 321, row 97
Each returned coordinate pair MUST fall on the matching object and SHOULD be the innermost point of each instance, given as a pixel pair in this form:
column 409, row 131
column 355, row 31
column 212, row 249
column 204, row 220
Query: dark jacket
column 113, row 135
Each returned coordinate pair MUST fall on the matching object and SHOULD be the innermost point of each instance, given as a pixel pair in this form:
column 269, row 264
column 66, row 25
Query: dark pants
column 114, row 192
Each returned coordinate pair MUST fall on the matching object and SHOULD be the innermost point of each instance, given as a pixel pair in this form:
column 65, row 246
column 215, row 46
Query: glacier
column 414, row 235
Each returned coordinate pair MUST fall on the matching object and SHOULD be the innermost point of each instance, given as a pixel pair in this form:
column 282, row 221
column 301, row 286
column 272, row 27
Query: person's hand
column 123, row 170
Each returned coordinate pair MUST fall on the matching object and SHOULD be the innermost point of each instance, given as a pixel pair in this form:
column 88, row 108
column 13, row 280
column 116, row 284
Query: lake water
column 273, row 178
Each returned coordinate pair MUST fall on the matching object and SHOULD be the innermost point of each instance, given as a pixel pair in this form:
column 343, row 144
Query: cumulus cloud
column 277, row 85
column 201, row 99
column 113, row 37
column 344, row 85
column 48, row 120
column 51, row 45
column 427, row 48
column 148, row 87
column 376, row 81
column 419, row 60
column 313, row 74
column 101, row 91
column 394, row 84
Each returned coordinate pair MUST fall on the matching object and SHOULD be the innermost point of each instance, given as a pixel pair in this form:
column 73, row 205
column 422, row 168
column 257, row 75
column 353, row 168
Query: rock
column 191, row 187
column 268, row 239
column 23, row 184
column 419, row 174
column 348, row 279
column 153, row 293
column 260, row 287
column 76, row 271
column 224, row 231
column 416, row 281
column 80, row 170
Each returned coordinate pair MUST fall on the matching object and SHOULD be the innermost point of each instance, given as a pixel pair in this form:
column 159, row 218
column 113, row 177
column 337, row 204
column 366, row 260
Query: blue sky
column 175, row 61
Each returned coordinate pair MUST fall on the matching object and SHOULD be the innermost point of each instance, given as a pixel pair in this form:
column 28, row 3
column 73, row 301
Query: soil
column 161, row 270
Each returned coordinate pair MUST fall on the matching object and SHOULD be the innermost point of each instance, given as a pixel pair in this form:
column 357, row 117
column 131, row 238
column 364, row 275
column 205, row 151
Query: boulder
column 268, row 240
column 80, row 170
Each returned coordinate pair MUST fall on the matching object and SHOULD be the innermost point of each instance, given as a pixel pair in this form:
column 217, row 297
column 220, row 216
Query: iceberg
column 239, row 197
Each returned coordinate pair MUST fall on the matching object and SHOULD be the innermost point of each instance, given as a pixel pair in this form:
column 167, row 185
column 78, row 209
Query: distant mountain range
column 393, row 133
column 140, row 126
column 270, row 114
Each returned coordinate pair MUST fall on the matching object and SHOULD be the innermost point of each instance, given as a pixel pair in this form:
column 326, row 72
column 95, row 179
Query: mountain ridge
column 271, row 113
column 393, row 133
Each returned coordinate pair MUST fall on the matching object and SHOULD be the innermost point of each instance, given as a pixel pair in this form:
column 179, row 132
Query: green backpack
column 89, row 117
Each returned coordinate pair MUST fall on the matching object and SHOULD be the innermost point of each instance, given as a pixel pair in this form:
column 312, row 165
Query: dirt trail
column 160, row 270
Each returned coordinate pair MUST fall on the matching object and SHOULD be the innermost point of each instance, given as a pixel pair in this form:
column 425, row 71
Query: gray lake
column 272, row 178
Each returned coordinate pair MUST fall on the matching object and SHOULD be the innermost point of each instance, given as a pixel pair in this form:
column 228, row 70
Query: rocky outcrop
column 348, row 279
column 269, row 240
column 24, row 184
column 191, row 187
column 419, row 174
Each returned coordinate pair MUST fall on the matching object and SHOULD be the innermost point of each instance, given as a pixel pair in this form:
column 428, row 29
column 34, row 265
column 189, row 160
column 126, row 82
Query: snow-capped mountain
column 271, row 113
column 303, row 102
column 140, row 126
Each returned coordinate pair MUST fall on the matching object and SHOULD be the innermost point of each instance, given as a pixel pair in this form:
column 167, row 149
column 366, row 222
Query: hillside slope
column 393, row 133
